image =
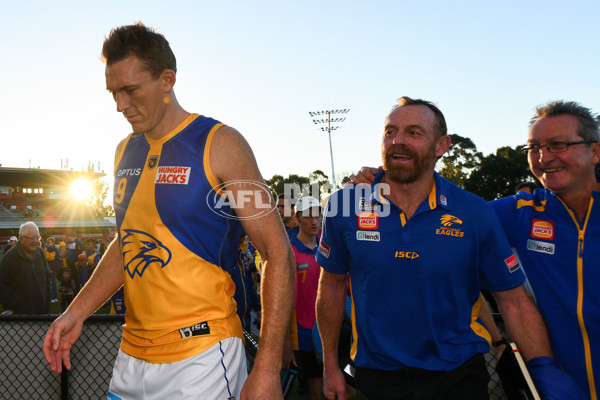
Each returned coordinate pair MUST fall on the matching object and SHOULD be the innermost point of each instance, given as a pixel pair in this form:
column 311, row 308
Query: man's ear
column 595, row 153
column 168, row 79
column 442, row 145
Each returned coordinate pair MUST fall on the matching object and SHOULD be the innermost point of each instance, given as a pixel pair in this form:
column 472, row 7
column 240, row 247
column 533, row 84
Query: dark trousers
column 467, row 382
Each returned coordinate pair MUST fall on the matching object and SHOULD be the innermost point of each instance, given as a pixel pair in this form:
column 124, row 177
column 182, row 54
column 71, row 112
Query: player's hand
column 262, row 385
column 334, row 384
column 61, row 336
column 551, row 381
column 365, row 175
column 288, row 358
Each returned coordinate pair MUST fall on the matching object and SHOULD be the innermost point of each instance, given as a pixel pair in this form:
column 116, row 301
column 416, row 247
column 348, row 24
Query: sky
column 262, row 66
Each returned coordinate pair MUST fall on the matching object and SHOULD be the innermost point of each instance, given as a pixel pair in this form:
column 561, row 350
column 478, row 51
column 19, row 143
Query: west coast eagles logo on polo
column 449, row 225
column 141, row 250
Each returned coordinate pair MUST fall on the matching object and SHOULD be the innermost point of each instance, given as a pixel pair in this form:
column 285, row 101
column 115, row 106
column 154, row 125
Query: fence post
column 64, row 383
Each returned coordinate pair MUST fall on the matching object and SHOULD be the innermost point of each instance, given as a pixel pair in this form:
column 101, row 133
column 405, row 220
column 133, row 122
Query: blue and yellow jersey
column 176, row 248
column 560, row 256
column 415, row 283
column 93, row 258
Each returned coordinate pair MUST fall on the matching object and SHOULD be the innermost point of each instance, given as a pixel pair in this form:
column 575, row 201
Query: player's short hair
column 138, row 40
column 587, row 122
column 440, row 122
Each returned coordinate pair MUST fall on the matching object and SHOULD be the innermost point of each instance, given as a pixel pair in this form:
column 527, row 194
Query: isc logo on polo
column 406, row 254
column 541, row 229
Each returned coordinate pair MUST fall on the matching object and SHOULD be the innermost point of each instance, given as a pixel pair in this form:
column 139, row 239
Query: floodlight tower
column 328, row 128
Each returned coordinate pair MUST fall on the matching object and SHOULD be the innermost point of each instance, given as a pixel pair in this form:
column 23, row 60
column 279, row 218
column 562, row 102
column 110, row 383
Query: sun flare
column 81, row 190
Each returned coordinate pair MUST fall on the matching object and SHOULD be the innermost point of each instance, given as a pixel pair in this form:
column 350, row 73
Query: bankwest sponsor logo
column 447, row 229
column 173, row 175
column 512, row 263
column 324, row 249
column 368, row 220
column 541, row 229
column 542, row 247
column 368, row 236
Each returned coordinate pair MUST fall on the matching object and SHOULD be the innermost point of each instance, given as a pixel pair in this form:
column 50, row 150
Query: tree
column 461, row 159
column 316, row 185
column 499, row 174
column 294, row 185
column 96, row 201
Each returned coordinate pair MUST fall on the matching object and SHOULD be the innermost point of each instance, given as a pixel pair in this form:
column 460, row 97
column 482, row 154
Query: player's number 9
column 121, row 190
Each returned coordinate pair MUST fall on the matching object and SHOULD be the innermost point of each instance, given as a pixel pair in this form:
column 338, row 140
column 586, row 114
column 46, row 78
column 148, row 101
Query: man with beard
column 418, row 251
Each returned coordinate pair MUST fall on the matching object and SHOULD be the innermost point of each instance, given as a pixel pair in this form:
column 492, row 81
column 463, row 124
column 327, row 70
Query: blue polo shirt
column 416, row 283
column 560, row 256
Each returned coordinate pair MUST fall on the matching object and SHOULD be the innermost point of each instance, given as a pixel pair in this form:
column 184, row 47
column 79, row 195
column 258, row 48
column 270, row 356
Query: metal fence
column 24, row 373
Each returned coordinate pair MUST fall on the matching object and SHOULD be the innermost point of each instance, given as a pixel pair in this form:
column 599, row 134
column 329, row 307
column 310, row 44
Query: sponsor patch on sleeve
column 324, row 249
column 512, row 263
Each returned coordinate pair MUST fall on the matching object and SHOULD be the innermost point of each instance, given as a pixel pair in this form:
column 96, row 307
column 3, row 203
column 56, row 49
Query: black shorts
column 311, row 367
column 467, row 382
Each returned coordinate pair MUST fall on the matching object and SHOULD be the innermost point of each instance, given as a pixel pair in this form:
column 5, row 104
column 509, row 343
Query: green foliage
column 498, row 174
column 316, row 185
column 96, row 201
column 460, row 161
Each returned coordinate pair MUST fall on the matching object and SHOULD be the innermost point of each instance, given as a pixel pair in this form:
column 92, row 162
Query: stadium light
column 329, row 128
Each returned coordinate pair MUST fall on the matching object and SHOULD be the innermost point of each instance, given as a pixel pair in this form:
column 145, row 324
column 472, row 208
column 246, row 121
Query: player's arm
column 231, row 159
column 65, row 330
column 524, row 325
column 488, row 319
column 331, row 302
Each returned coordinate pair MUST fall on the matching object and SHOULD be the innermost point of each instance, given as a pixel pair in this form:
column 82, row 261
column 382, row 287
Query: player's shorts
column 311, row 367
column 467, row 382
column 217, row 373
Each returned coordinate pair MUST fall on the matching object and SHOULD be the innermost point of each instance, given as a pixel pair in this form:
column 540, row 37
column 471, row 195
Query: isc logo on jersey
column 368, row 220
column 173, row 175
column 541, row 229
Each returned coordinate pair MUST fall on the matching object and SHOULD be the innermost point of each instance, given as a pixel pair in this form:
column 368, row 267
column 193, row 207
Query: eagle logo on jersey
column 140, row 250
column 449, row 220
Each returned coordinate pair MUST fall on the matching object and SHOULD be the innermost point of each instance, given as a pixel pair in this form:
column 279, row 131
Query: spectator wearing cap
column 25, row 275
column 11, row 243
